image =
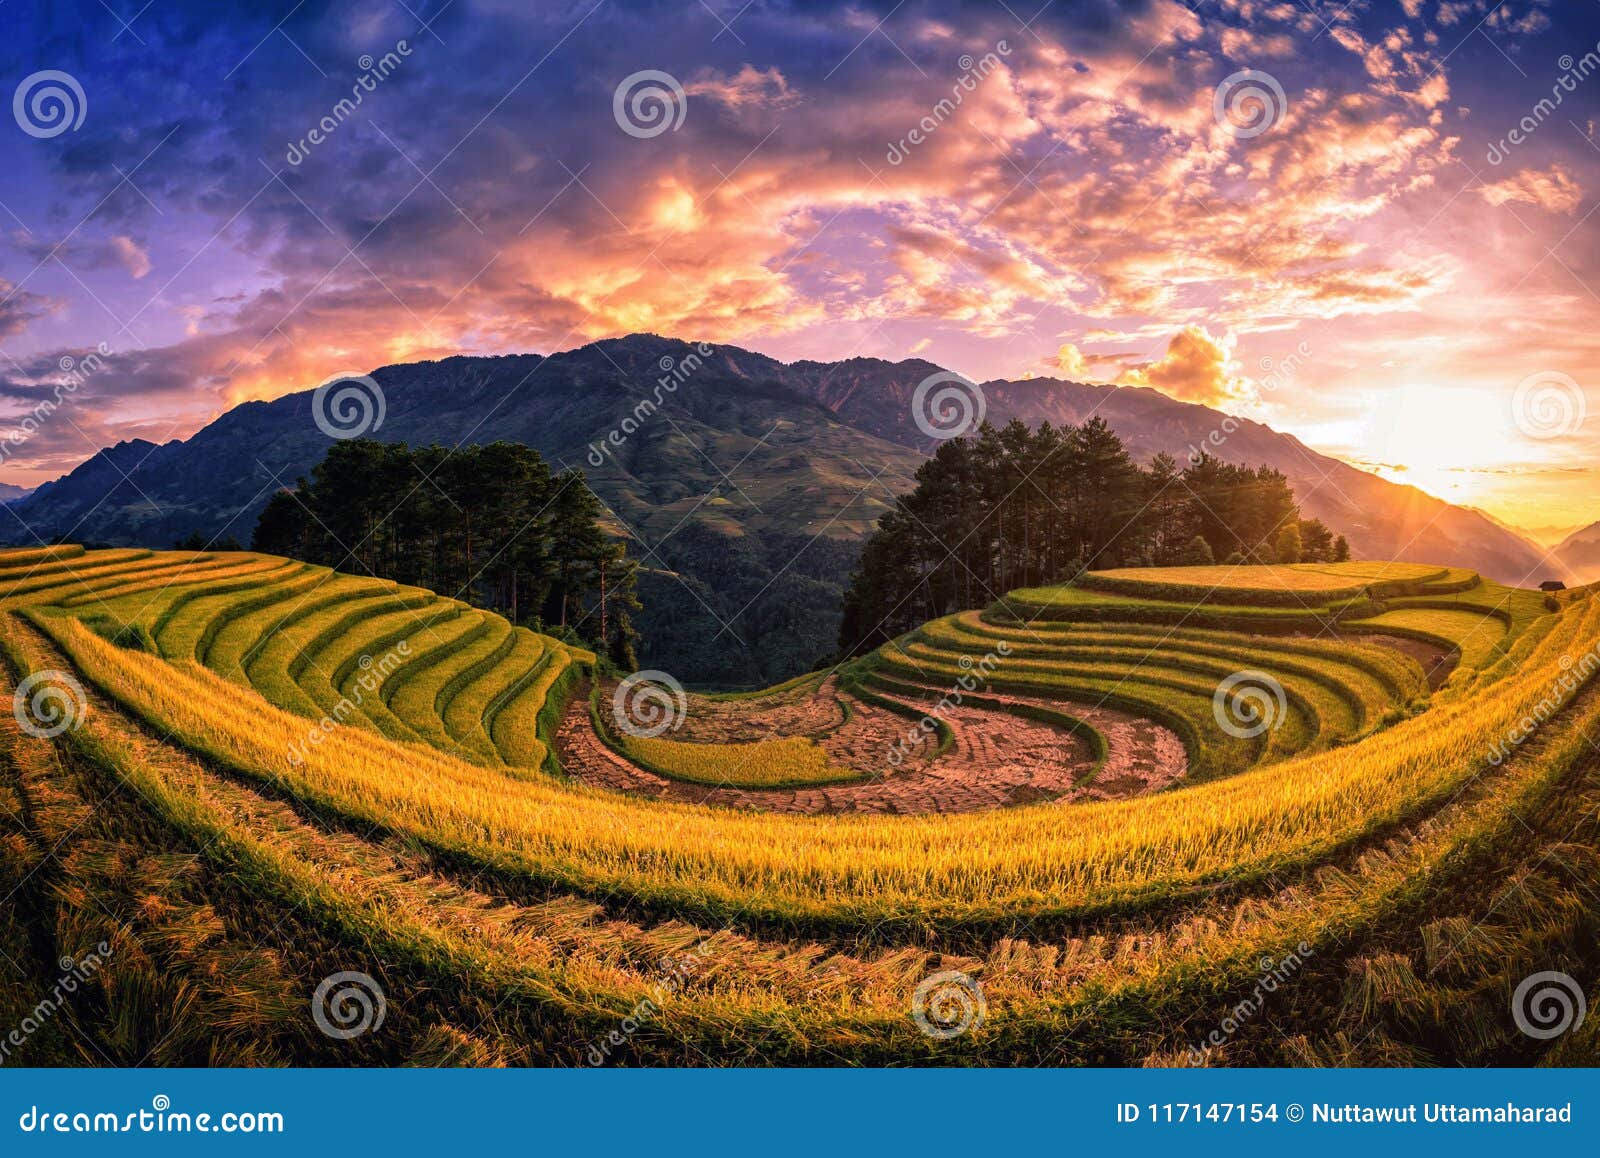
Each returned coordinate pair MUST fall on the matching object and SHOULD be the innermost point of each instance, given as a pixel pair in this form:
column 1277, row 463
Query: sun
column 1439, row 438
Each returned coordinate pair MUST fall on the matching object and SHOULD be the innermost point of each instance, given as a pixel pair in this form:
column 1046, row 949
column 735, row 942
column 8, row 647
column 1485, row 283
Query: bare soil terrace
column 997, row 759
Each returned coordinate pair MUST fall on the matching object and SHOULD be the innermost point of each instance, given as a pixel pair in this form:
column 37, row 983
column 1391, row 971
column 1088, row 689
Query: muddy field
column 997, row 759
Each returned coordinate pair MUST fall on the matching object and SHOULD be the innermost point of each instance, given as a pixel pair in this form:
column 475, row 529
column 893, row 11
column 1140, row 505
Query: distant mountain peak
column 808, row 427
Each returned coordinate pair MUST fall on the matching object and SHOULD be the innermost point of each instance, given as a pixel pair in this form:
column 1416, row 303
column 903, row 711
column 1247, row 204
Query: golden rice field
column 1083, row 825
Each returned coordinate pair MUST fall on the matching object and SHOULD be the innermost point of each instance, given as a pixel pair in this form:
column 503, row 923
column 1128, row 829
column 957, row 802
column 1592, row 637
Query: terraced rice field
column 1069, row 828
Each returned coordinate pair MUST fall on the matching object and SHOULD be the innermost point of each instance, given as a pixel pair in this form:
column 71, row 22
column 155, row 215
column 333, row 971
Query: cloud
column 1071, row 363
column 134, row 257
column 750, row 87
column 19, row 308
column 1082, row 189
column 1554, row 190
column 1196, row 368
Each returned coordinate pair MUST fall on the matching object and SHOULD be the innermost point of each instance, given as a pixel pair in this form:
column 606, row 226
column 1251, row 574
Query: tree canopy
column 488, row 524
column 1015, row 507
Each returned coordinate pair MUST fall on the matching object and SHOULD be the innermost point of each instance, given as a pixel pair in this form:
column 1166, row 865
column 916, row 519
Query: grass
column 464, row 703
column 450, row 863
column 1475, row 635
column 1307, row 586
column 993, row 867
column 788, row 762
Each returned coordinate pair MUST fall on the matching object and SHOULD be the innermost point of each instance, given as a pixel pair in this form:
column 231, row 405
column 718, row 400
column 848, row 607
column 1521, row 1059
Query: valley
column 745, row 493
column 1096, row 808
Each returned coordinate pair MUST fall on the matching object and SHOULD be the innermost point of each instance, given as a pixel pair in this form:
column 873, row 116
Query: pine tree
column 1289, row 543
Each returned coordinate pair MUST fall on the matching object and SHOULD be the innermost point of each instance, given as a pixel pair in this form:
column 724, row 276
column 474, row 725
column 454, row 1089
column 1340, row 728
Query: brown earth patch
column 997, row 759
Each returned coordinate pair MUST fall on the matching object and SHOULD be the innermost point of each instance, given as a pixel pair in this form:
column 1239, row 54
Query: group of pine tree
column 490, row 524
column 1016, row 507
column 1003, row 509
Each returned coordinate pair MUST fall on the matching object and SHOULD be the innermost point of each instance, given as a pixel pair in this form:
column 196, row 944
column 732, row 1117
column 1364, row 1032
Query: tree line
column 489, row 524
column 1015, row 507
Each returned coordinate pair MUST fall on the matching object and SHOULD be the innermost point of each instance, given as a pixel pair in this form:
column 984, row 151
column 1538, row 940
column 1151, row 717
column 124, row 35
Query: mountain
column 10, row 493
column 1381, row 519
column 1551, row 534
column 1579, row 553
column 748, row 483
column 746, row 498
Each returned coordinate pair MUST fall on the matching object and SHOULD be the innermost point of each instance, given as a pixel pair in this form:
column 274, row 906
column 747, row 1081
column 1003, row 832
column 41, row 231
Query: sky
column 1370, row 224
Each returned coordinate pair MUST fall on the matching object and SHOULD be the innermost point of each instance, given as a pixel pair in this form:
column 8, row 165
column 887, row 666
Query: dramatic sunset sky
column 1083, row 212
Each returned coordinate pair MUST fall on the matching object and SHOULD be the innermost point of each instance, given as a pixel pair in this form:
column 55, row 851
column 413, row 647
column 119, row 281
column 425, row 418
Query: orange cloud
column 1552, row 190
column 1196, row 368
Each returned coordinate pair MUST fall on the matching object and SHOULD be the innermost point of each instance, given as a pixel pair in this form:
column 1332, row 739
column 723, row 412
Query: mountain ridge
column 695, row 447
column 1579, row 553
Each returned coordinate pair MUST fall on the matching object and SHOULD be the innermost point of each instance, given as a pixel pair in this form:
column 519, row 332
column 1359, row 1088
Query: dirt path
column 1142, row 756
column 1438, row 663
